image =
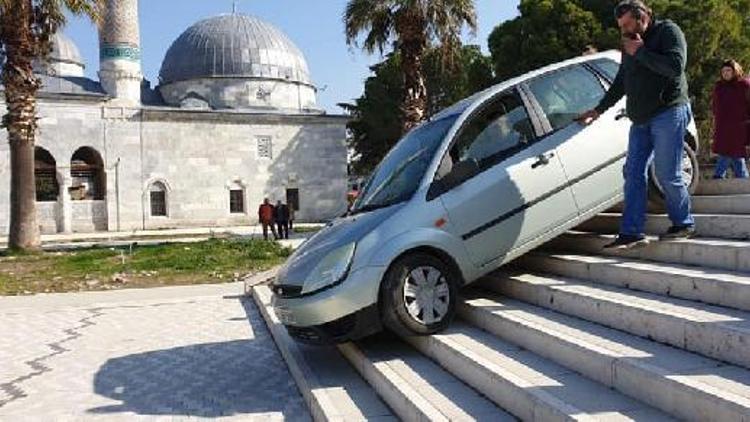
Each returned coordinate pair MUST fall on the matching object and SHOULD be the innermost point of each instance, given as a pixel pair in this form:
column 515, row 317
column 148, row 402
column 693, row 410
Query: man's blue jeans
column 660, row 140
column 739, row 167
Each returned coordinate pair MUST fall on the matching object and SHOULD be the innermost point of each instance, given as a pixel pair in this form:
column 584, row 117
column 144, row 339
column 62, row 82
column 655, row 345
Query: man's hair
column 636, row 7
column 734, row 65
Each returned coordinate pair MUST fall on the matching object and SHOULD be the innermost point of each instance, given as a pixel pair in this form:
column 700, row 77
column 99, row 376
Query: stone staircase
column 567, row 332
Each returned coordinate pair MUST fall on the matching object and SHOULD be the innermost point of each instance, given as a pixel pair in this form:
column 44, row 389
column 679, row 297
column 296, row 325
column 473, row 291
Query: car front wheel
column 690, row 175
column 419, row 295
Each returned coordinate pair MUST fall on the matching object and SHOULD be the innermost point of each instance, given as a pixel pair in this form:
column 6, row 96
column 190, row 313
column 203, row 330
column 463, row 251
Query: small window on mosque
column 158, row 194
column 237, row 201
column 265, row 147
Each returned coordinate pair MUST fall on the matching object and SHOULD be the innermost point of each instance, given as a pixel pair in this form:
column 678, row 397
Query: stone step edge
column 506, row 389
column 738, row 296
column 720, row 254
column 405, row 400
column 322, row 405
column 682, row 332
column 691, row 400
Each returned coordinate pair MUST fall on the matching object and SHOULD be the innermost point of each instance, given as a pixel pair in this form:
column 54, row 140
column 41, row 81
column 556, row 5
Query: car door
column 518, row 190
column 592, row 156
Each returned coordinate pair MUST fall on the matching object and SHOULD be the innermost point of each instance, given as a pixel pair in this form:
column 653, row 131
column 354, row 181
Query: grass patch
column 212, row 261
column 308, row 229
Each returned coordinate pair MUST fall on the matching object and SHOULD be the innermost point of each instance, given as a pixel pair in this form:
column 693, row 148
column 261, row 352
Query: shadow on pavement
column 241, row 377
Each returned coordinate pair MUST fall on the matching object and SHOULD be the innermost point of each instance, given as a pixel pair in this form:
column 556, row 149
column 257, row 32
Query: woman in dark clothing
column 731, row 106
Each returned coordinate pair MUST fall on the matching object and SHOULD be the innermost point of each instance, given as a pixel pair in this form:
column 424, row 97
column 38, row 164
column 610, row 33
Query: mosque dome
column 234, row 46
column 65, row 58
column 236, row 62
column 64, row 50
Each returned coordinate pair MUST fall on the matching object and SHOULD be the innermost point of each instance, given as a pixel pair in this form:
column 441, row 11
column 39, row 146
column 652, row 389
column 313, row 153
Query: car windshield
column 398, row 176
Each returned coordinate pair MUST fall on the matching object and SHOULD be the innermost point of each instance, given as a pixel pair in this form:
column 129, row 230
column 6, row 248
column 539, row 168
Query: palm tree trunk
column 412, row 46
column 21, row 87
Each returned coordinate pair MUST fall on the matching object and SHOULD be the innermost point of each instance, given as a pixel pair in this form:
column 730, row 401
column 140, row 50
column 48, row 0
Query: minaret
column 120, row 51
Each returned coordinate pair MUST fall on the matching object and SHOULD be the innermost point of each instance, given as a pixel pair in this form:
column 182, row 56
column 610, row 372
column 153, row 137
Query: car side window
column 607, row 67
column 565, row 94
column 500, row 130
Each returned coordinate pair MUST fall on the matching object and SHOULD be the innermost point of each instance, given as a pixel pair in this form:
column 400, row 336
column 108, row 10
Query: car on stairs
column 478, row 185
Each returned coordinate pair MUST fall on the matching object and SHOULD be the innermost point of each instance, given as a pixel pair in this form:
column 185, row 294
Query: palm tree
column 26, row 28
column 412, row 25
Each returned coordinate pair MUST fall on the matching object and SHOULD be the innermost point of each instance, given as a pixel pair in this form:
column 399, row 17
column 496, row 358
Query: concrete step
column 724, row 187
column 685, row 385
column 332, row 389
column 415, row 387
column 715, row 287
column 706, row 225
column 722, row 204
column 532, row 388
column 711, row 331
column 718, row 254
column 704, row 204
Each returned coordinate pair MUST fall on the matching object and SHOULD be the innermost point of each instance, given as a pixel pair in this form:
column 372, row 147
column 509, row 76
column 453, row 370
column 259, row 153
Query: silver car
column 480, row 184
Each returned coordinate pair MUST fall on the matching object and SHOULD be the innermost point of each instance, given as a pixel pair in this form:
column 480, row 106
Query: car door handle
column 543, row 159
column 621, row 114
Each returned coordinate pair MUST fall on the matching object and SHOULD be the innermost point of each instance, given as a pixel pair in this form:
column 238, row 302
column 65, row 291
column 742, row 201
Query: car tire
column 414, row 282
column 690, row 165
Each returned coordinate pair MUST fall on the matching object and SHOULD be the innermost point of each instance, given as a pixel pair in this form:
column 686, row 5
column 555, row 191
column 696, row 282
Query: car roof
column 480, row 97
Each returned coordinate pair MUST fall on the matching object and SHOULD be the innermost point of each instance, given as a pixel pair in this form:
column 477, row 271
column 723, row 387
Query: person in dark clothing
column 282, row 219
column 266, row 218
column 652, row 75
column 731, row 107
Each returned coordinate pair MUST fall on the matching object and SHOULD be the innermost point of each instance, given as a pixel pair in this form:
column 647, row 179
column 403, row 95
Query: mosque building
column 232, row 120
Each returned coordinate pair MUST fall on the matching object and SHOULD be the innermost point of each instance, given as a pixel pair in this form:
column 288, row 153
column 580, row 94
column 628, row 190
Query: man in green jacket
column 652, row 75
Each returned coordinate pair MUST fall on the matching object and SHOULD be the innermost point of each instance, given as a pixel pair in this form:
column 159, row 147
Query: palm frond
column 373, row 18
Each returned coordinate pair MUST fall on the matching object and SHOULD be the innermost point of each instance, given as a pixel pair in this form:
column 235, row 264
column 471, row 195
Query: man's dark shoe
column 624, row 242
column 678, row 232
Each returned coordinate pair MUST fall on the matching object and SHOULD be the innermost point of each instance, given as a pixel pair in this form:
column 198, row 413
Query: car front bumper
column 344, row 312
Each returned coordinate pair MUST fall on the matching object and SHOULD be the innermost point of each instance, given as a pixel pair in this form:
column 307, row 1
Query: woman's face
column 727, row 73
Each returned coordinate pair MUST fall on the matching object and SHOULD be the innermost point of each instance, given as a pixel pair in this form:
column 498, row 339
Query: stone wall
column 198, row 156
column 89, row 216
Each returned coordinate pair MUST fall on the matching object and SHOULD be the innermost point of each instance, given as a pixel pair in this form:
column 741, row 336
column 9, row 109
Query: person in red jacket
column 731, row 107
column 265, row 217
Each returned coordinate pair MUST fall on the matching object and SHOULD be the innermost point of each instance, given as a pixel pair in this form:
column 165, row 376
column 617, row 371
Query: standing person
column 731, row 107
column 652, row 75
column 265, row 217
column 282, row 220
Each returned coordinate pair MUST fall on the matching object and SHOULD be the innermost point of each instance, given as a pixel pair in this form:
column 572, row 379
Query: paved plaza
column 177, row 353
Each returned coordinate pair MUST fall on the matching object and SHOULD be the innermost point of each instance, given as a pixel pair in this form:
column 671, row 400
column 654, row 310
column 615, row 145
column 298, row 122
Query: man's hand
column 631, row 45
column 588, row 117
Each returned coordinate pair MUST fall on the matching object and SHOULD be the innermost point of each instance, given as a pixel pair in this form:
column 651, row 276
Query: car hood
column 338, row 233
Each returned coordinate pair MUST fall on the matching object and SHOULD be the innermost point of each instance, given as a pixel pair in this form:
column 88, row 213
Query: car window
column 565, row 94
column 607, row 67
column 398, row 176
column 497, row 132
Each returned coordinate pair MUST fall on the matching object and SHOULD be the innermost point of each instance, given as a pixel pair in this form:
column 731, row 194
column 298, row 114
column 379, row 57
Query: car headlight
column 331, row 269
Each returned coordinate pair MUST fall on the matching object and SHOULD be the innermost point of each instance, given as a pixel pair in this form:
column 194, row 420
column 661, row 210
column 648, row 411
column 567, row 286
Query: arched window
column 87, row 171
column 45, row 176
column 158, row 198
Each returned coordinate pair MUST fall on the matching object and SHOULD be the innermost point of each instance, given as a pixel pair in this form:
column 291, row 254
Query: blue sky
column 315, row 26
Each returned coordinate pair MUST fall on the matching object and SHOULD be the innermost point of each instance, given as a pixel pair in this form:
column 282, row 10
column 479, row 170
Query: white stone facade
column 198, row 156
column 241, row 93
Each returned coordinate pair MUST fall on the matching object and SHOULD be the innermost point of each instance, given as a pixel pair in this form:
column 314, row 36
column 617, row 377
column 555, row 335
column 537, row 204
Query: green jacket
column 654, row 78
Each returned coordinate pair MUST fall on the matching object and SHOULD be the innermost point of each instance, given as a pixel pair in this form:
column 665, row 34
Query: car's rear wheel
column 690, row 175
column 419, row 295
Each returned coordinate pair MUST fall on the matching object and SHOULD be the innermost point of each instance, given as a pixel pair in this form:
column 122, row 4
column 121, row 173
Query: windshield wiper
column 372, row 207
